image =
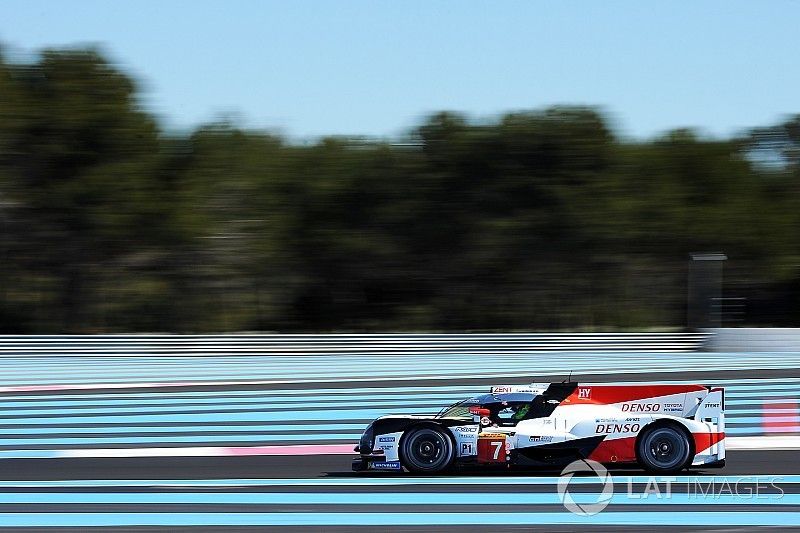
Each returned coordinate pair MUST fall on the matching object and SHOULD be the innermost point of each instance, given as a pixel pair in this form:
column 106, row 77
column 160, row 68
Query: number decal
column 497, row 445
column 492, row 448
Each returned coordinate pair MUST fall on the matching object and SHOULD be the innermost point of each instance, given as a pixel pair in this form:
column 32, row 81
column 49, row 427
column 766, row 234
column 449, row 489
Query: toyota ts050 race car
column 661, row 428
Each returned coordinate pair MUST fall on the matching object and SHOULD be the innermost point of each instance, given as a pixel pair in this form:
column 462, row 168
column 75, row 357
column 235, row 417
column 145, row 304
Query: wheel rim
column 427, row 449
column 666, row 448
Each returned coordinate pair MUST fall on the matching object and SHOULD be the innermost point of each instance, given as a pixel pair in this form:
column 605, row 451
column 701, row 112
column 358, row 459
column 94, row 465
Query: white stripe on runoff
column 790, row 442
column 732, row 443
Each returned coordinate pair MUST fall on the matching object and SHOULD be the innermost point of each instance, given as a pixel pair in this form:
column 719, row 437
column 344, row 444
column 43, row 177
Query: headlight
column 365, row 444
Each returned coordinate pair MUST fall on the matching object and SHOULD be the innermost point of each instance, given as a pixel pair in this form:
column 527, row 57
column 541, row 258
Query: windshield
column 503, row 407
column 460, row 409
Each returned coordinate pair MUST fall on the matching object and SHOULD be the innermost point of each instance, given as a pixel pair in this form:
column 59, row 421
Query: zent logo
column 584, row 394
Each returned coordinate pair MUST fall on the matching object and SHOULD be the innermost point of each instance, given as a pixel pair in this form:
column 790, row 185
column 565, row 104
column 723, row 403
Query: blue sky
column 309, row 68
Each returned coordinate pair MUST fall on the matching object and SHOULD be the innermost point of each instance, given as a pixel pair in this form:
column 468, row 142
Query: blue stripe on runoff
column 248, row 417
column 122, row 369
column 619, row 481
column 651, row 518
column 386, row 397
column 387, row 498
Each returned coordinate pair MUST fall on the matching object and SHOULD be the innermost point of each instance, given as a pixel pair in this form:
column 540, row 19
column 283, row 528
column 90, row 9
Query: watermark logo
column 585, row 507
column 699, row 489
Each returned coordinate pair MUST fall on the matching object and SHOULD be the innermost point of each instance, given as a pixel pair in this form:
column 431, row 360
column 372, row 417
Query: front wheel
column 664, row 449
column 427, row 449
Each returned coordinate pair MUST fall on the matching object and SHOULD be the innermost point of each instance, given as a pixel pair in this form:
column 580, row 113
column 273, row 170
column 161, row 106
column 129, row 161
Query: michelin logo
column 387, row 465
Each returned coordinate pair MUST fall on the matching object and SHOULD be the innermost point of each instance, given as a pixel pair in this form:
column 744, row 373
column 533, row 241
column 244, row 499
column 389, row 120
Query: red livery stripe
column 608, row 394
column 615, row 451
column 624, row 450
column 704, row 441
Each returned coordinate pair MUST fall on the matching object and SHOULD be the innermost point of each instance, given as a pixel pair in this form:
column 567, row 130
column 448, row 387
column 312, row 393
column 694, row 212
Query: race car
column 662, row 428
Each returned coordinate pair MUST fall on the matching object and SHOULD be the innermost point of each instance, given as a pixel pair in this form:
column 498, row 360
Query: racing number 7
column 497, row 445
column 491, row 448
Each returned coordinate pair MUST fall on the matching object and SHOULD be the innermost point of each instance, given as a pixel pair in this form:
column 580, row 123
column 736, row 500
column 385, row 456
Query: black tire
column 664, row 449
column 427, row 449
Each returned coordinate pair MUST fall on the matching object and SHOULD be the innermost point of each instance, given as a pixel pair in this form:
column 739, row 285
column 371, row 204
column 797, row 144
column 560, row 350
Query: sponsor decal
column 541, row 438
column 466, row 448
column 632, row 419
column 626, row 427
column 486, row 421
column 500, row 389
column 466, row 429
column 584, row 393
column 386, row 439
column 713, row 405
column 492, row 436
column 386, row 465
column 641, row 407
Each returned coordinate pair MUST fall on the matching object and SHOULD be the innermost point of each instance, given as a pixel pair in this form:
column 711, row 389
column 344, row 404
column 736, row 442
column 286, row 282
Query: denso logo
column 617, row 428
column 641, row 407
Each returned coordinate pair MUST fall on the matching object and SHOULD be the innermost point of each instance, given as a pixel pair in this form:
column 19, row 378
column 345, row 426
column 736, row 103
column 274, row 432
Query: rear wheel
column 427, row 449
column 664, row 449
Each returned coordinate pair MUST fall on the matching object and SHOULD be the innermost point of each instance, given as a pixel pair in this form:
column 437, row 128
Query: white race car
column 662, row 428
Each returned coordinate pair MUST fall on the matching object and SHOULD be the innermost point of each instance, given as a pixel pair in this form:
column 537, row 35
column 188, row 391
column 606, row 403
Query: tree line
column 543, row 219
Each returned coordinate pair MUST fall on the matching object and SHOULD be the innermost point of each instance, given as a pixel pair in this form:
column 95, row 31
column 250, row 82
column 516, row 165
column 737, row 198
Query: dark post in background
column 705, row 290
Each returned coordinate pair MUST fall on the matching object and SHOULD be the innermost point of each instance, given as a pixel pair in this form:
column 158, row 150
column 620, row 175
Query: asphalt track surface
column 318, row 490
column 223, row 482
column 739, row 463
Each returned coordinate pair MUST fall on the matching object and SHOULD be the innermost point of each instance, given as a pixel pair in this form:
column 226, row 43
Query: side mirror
column 480, row 415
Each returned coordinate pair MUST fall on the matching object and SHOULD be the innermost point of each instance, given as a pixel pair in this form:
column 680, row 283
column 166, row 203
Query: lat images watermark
column 640, row 489
column 585, row 508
